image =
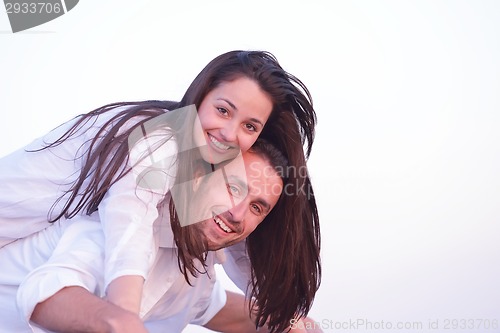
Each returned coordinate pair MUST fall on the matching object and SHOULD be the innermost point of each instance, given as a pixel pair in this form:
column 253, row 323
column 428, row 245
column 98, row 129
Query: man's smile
column 222, row 225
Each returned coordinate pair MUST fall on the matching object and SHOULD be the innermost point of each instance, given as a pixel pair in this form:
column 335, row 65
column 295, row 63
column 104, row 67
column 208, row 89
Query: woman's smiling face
column 231, row 117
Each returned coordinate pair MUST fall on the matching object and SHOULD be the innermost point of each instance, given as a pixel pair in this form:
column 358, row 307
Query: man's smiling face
column 235, row 199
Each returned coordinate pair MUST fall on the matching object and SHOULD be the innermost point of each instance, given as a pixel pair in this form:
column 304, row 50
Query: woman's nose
column 230, row 132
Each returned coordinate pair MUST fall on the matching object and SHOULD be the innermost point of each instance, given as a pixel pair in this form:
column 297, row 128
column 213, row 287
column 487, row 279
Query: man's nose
column 238, row 212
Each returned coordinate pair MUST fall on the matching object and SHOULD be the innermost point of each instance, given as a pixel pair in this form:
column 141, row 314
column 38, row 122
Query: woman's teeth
column 218, row 144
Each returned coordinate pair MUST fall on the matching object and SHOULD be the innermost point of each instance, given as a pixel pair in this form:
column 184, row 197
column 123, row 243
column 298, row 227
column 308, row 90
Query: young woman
column 85, row 167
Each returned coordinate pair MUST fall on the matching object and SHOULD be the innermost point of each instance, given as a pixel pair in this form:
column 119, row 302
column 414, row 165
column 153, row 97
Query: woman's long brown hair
column 284, row 250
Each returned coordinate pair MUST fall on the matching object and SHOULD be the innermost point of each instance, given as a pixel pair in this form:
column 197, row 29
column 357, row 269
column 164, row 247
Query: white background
column 406, row 158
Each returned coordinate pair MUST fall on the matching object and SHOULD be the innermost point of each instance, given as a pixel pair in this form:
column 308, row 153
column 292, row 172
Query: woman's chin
column 217, row 156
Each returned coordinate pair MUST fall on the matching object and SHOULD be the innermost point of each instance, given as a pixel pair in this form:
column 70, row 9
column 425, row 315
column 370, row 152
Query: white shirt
column 31, row 182
column 70, row 253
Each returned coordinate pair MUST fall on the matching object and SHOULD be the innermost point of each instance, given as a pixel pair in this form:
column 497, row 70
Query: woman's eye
column 223, row 111
column 251, row 127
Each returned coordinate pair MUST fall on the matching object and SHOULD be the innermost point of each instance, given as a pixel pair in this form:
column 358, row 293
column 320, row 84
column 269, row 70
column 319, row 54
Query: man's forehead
column 245, row 165
column 235, row 167
column 255, row 173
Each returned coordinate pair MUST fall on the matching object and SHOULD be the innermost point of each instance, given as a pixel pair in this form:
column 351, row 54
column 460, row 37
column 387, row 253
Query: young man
column 55, row 276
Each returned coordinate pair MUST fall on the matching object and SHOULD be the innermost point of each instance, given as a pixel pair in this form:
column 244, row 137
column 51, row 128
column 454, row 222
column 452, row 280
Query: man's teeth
column 222, row 224
column 218, row 144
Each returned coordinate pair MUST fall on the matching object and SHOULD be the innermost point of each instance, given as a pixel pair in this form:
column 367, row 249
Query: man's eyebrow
column 241, row 182
column 265, row 204
column 231, row 104
column 235, row 179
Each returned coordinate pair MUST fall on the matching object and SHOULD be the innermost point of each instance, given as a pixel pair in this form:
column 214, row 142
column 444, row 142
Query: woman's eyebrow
column 228, row 102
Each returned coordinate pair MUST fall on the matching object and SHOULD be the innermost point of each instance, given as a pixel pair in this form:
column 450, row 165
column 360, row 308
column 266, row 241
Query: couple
column 98, row 189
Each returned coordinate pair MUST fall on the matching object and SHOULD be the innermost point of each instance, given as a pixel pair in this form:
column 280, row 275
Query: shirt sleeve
column 77, row 260
column 130, row 207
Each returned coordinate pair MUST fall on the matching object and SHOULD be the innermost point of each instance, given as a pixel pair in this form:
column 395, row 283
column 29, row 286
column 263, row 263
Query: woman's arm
column 131, row 205
column 127, row 213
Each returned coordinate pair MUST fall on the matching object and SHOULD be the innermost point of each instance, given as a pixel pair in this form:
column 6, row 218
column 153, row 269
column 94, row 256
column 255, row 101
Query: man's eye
column 233, row 190
column 256, row 209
